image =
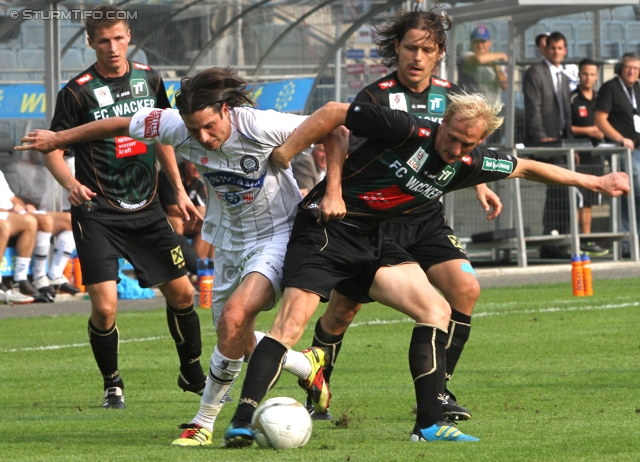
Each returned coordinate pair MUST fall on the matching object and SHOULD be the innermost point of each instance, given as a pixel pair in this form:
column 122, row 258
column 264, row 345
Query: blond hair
column 469, row 107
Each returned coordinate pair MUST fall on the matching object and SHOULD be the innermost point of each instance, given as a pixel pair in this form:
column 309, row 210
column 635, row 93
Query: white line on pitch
column 480, row 314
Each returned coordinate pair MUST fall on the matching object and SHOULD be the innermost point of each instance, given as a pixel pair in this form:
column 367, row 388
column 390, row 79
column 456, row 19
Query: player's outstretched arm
column 332, row 206
column 46, row 141
column 489, row 200
column 312, row 130
column 614, row 184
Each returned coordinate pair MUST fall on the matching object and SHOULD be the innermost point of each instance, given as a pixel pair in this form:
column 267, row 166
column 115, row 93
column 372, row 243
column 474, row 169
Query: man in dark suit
column 548, row 118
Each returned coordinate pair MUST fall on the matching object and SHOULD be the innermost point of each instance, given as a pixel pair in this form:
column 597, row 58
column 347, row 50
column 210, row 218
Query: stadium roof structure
column 520, row 14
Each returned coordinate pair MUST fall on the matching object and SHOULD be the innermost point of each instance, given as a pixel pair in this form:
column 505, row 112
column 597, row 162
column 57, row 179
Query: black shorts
column 148, row 243
column 319, row 257
column 591, row 165
column 429, row 242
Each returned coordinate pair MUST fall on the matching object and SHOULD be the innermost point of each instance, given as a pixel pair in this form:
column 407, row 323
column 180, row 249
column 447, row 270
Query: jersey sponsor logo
column 466, row 160
column 441, row 83
column 445, row 175
column 582, row 111
column 139, row 88
column 497, row 165
column 385, row 198
column 418, row 106
column 204, row 160
column 144, row 67
column 152, row 124
column 436, row 104
column 84, row 79
column 124, row 93
column 217, row 179
column 424, row 132
column 131, row 107
column 128, row 147
column 236, row 197
column 427, row 190
column 387, row 84
column 177, row 257
column 104, row 96
column 249, row 164
column 398, row 101
column 418, row 159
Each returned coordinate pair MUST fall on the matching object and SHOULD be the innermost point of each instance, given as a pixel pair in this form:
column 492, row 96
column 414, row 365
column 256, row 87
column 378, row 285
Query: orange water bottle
column 586, row 272
column 577, row 276
column 77, row 275
column 206, row 284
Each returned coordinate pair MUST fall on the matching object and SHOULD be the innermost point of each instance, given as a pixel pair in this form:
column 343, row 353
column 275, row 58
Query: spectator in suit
column 548, row 118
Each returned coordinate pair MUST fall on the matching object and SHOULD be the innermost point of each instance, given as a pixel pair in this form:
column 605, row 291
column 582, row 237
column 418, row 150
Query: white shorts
column 232, row 266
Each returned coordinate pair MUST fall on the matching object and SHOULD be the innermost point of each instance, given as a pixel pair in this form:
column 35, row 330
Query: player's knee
column 232, row 321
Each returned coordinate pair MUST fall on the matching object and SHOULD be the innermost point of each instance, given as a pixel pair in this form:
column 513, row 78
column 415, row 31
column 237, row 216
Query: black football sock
column 104, row 344
column 427, row 364
column 184, row 326
column 459, row 331
column 263, row 372
column 331, row 344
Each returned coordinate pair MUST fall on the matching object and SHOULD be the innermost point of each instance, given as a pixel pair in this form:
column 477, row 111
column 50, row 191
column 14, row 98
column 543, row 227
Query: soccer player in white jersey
column 251, row 207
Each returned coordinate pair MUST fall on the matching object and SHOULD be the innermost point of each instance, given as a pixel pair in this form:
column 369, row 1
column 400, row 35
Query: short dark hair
column 212, row 88
column 587, row 62
column 93, row 23
column 434, row 23
column 556, row 37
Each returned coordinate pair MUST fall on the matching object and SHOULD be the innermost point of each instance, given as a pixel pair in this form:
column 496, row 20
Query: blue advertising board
column 27, row 100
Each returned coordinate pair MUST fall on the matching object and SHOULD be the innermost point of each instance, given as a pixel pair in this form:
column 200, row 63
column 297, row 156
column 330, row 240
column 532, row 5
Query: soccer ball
column 281, row 423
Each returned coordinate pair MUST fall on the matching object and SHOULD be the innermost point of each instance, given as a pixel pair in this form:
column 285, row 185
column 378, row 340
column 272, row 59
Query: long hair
column 434, row 23
column 469, row 107
column 212, row 88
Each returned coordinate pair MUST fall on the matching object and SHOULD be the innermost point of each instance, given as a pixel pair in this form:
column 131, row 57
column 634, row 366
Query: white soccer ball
column 281, row 423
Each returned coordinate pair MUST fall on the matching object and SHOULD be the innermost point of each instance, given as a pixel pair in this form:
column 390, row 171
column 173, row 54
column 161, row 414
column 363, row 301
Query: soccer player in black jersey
column 405, row 162
column 415, row 42
column 115, row 208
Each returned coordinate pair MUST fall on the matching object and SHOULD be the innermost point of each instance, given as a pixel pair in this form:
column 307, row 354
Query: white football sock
column 297, row 363
column 64, row 247
column 258, row 335
column 22, row 268
column 222, row 372
column 41, row 254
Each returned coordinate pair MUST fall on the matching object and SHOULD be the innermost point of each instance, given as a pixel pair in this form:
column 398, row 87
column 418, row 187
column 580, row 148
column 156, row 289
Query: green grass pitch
column 547, row 376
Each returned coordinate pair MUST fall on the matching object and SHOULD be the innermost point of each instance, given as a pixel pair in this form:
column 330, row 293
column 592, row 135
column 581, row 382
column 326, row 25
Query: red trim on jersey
column 385, row 198
column 387, row 84
column 441, row 83
column 84, row 79
column 144, row 67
